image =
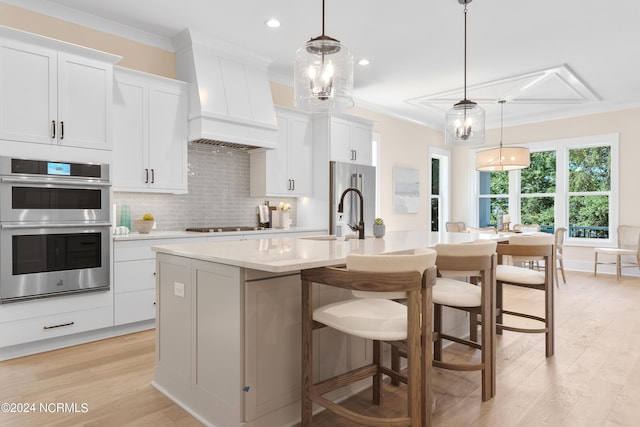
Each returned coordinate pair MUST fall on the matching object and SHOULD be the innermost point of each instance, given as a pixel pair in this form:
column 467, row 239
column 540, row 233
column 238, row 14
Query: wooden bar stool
column 537, row 245
column 462, row 261
column 476, row 259
column 374, row 315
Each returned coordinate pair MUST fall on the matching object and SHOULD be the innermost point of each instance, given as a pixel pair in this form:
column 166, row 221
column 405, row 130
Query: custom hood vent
column 230, row 100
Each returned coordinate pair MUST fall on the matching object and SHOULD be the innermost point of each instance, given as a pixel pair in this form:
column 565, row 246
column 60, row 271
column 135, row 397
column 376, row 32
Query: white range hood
column 230, row 99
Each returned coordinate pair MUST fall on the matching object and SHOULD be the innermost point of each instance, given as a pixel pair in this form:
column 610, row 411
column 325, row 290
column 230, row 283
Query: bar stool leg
column 307, row 353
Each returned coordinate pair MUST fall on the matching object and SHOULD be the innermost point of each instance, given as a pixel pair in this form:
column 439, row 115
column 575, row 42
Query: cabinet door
column 130, row 134
column 300, row 156
column 341, row 141
column 168, row 138
column 277, row 171
column 272, row 344
column 361, row 143
column 28, row 85
column 85, row 97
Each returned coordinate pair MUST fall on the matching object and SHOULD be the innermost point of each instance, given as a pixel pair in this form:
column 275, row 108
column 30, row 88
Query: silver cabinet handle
column 146, row 176
column 61, row 130
column 153, row 176
column 40, row 225
column 53, row 129
column 293, row 184
column 52, row 181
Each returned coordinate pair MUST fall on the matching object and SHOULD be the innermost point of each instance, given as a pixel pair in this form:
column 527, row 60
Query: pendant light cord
column 502, row 101
column 465, row 50
column 323, row 18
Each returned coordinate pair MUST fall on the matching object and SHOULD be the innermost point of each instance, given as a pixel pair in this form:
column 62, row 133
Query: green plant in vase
column 378, row 227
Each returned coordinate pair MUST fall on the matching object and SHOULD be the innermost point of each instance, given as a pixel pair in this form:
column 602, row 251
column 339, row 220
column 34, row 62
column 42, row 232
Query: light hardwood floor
column 592, row 380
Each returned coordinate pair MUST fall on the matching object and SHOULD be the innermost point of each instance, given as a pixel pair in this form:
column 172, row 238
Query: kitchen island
column 228, row 327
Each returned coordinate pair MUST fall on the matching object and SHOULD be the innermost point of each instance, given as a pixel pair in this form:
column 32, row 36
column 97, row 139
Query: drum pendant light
column 464, row 122
column 502, row 158
column 323, row 75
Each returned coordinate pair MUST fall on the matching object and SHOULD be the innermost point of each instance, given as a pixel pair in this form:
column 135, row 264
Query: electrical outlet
column 178, row 289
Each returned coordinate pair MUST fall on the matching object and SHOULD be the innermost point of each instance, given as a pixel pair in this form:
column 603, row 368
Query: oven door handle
column 53, row 181
column 54, row 225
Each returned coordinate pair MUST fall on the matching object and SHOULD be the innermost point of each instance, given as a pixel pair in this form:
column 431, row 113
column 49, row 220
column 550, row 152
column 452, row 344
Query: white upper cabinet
column 150, row 133
column 287, row 170
column 50, row 96
column 351, row 141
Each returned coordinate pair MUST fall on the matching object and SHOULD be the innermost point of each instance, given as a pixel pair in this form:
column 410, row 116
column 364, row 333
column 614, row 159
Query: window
column 538, row 191
column 569, row 183
column 435, row 194
column 589, row 192
column 439, row 198
column 493, row 198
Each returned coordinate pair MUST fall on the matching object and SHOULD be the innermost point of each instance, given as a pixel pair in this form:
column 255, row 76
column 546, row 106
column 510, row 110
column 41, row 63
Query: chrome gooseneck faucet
column 360, row 227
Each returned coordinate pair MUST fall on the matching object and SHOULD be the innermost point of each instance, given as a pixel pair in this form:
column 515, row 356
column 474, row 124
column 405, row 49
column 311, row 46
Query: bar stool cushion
column 372, row 318
column 511, row 274
column 456, row 293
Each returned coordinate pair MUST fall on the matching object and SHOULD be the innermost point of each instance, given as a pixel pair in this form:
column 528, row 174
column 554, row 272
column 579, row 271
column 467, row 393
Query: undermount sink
column 334, row 237
column 325, row 237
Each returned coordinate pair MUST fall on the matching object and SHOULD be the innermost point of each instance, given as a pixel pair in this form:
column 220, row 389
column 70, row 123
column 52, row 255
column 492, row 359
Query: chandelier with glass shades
column 502, row 158
column 323, row 75
column 464, row 122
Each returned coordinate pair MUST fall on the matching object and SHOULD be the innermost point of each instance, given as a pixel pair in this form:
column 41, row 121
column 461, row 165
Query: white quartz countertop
column 278, row 255
column 181, row 233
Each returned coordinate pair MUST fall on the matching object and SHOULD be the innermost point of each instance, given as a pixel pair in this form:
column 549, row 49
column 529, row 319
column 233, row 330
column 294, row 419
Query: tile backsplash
column 218, row 194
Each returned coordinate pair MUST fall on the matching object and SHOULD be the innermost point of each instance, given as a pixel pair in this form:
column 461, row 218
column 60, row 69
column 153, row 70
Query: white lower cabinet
column 55, row 325
column 29, row 321
column 134, row 278
column 135, row 298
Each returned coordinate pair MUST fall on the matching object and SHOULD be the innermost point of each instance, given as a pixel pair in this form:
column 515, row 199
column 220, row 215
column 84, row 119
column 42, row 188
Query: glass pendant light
column 464, row 122
column 323, row 75
column 502, row 158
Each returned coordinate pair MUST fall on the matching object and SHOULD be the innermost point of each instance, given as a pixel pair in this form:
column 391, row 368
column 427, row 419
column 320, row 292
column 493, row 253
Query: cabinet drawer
column 134, row 275
column 56, row 305
column 56, row 325
column 135, row 306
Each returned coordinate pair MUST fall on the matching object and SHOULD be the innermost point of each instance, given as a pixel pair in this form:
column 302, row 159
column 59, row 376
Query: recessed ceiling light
column 272, row 23
column 363, row 62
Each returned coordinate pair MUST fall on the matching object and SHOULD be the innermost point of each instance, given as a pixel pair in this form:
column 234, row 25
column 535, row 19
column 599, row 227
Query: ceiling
column 549, row 59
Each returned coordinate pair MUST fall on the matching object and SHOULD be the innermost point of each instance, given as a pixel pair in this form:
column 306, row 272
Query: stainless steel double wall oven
column 54, row 228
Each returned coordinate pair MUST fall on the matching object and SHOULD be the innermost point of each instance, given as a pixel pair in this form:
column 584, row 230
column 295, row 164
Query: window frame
column 561, row 196
column 444, row 199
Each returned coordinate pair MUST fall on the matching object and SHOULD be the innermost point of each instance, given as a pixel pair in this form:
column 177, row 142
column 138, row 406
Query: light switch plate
column 178, row 289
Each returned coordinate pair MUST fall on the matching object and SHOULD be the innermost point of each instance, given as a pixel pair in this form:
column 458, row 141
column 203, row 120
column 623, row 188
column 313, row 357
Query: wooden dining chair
column 375, row 281
column 528, row 246
column 558, row 244
column 485, row 230
column 532, row 228
column 457, row 227
column 628, row 247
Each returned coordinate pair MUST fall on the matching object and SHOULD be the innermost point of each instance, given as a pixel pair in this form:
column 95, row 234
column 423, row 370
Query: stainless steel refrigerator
column 349, row 175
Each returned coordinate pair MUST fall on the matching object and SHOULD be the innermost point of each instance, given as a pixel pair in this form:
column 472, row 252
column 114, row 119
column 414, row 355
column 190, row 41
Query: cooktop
column 221, row 229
